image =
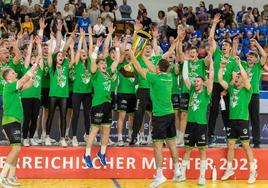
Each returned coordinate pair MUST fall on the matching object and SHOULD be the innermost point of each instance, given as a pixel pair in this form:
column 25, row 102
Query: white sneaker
column 43, row 137
column 128, row 139
column 158, row 181
column 63, row 142
column 177, row 175
column 74, row 142
column 33, row 143
column 120, row 143
column 37, row 140
column 111, row 143
column 4, row 182
column 26, row 142
column 143, row 141
column 13, row 181
column 52, row 140
column 48, row 141
column 179, row 179
column 201, row 181
column 252, row 177
column 149, row 140
column 227, row 174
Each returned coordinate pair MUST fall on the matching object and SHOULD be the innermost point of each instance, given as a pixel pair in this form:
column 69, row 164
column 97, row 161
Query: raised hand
column 42, row 23
column 111, row 28
column 71, row 44
column 99, row 41
column 116, row 42
column 254, row 42
column 181, row 33
column 52, row 36
column 37, row 40
column 237, row 59
column 217, row 19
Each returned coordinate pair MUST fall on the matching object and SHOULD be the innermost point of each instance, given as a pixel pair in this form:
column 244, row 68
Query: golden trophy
column 139, row 41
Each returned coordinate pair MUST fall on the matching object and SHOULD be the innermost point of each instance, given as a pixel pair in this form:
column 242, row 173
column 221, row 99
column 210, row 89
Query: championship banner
column 124, row 162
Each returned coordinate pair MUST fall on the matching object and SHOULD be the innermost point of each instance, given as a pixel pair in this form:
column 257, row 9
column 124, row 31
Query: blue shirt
column 83, row 23
column 248, row 28
column 220, row 33
column 234, row 32
column 126, row 11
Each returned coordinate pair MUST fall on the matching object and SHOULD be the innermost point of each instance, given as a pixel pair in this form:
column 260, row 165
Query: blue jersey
column 220, row 33
column 83, row 23
column 247, row 29
column 234, row 32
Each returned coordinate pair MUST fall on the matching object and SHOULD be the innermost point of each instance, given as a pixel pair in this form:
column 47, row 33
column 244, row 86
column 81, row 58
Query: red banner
column 124, row 162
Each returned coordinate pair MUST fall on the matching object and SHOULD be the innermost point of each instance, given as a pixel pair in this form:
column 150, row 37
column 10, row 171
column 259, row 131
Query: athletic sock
column 229, row 165
column 5, row 170
column 12, row 171
column 184, row 165
column 88, row 151
column 129, row 133
column 176, row 166
column 203, row 167
column 159, row 172
column 67, row 132
column 103, row 149
column 178, row 133
column 120, row 137
column 35, row 134
column 252, row 166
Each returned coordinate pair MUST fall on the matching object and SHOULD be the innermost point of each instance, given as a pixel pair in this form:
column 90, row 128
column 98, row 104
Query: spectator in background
column 146, row 22
column 48, row 18
column 234, row 31
column 228, row 15
column 94, row 12
column 248, row 14
column 203, row 20
column 256, row 14
column 68, row 16
column 195, row 37
column 161, row 23
column 179, row 11
column 239, row 15
column 107, row 16
column 172, row 22
column 72, row 6
column 58, row 20
column 36, row 15
column 210, row 10
column 99, row 29
column 27, row 25
column 184, row 23
column 264, row 13
column 262, row 32
column 13, row 15
column 141, row 10
column 220, row 33
column 112, row 4
column 79, row 8
column 191, row 17
column 46, row 4
column 218, row 10
column 125, row 10
column 201, row 4
column 83, row 22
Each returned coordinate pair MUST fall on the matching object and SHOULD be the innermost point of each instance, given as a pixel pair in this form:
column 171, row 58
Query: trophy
column 139, row 41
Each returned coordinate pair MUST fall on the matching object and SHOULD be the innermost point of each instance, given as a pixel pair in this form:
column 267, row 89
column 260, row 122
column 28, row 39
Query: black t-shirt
column 14, row 15
column 146, row 24
column 80, row 9
column 112, row 4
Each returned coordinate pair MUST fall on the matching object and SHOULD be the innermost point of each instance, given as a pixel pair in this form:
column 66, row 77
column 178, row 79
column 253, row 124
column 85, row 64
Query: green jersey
column 229, row 68
column 160, row 93
column 102, row 87
column 198, row 105
column 239, row 101
column 12, row 107
column 195, row 69
column 126, row 84
column 59, row 85
column 115, row 81
column 141, row 81
column 11, row 65
column 45, row 78
column 82, row 75
column 35, row 90
column 175, row 86
column 254, row 75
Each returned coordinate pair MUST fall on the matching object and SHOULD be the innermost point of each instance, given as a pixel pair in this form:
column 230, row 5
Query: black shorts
column 163, row 127
column 44, row 97
column 144, row 99
column 69, row 100
column 126, row 102
column 114, row 101
column 184, row 101
column 175, row 98
column 13, row 132
column 101, row 114
column 238, row 129
column 195, row 135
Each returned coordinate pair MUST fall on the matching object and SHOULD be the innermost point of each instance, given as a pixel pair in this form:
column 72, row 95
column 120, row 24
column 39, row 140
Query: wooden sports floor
column 133, row 183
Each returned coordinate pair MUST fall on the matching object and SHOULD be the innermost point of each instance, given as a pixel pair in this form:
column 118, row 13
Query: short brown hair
column 5, row 73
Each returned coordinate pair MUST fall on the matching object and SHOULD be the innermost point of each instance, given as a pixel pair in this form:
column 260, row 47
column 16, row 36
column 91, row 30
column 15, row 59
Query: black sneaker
column 256, row 146
column 133, row 141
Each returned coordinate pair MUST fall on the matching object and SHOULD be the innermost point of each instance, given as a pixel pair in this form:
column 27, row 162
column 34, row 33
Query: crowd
column 66, row 59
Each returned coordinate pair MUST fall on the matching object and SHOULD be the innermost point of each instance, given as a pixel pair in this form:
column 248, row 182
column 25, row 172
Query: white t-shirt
column 107, row 20
column 99, row 29
column 171, row 16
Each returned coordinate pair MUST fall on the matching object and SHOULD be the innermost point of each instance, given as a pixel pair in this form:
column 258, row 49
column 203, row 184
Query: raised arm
column 90, row 40
column 216, row 20
column 71, row 44
column 42, row 25
column 81, row 39
column 38, row 42
column 117, row 58
column 107, row 41
column 171, row 49
column 17, row 52
column 149, row 64
column 94, row 56
column 59, row 36
column 244, row 75
column 185, row 74
column 29, row 76
column 223, row 83
column 261, row 50
column 155, row 34
column 235, row 51
column 137, row 65
column 211, row 74
column 49, row 57
column 29, row 53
